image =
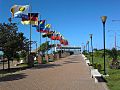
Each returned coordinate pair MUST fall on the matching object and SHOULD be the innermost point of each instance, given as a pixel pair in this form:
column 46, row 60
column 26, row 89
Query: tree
column 44, row 47
column 7, row 39
column 95, row 49
column 11, row 41
column 114, row 55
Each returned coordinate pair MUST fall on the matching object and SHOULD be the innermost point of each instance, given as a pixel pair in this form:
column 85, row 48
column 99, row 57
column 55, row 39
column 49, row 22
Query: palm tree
column 44, row 47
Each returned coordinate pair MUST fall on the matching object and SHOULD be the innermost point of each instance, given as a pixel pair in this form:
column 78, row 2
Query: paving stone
column 70, row 73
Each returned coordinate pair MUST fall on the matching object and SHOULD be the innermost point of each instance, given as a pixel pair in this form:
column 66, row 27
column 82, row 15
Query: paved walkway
column 69, row 73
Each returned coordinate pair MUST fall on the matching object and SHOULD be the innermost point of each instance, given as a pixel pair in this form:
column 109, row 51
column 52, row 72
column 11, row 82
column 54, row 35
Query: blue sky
column 74, row 19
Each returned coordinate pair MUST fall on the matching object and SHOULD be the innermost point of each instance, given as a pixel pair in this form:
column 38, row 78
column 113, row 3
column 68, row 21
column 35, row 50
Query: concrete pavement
column 70, row 73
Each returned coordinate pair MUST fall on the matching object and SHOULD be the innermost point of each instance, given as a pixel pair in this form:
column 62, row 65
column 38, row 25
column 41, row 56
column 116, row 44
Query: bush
column 114, row 65
column 97, row 66
column 44, row 61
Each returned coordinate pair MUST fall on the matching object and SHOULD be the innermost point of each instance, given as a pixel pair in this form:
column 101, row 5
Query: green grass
column 113, row 80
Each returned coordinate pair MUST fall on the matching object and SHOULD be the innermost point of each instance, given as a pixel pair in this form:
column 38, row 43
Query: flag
column 62, row 37
column 65, row 42
column 44, row 35
column 58, row 36
column 33, row 16
column 19, row 11
column 53, row 38
column 41, row 26
column 44, row 31
column 31, row 19
column 47, row 34
column 58, row 45
column 62, row 41
column 47, row 27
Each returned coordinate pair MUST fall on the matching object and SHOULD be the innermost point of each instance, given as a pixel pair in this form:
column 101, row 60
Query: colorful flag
column 19, row 11
column 31, row 19
column 44, row 35
column 58, row 45
column 58, row 36
column 53, row 37
column 33, row 16
column 42, row 24
column 40, row 27
column 64, row 42
column 47, row 27
column 47, row 34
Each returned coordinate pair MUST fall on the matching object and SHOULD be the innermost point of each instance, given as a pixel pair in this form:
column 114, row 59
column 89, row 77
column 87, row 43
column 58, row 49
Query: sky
column 74, row 19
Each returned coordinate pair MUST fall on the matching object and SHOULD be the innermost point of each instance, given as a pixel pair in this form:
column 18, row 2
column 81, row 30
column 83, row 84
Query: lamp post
column 10, row 21
column 83, row 49
column 36, row 45
column 91, row 47
column 103, row 18
column 88, row 46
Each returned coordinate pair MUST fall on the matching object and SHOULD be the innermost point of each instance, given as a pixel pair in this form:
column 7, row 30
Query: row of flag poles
column 28, row 18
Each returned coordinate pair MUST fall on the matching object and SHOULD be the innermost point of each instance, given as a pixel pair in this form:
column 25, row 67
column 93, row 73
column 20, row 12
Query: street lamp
column 10, row 20
column 83, row 49
column 88, row 46
column 91, row 47
column 103, row 18
column 35, row 42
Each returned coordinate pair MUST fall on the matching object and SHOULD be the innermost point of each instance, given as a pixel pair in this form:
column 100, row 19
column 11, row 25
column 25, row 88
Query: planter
column 46, row 57
column 57, row 56
column 22, row 60
column 51, row 58
column 30, row 61
column 39, row 59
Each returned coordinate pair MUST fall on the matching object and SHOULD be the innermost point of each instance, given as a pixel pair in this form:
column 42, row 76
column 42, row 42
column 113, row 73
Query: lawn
column 113, row 80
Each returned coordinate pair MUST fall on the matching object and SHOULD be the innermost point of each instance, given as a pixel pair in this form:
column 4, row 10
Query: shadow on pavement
column 41, row 66
column 38, row 66
column 12, row 77
column 70, row 58
column 101, row 79
column 12, row 70
column 68, row 62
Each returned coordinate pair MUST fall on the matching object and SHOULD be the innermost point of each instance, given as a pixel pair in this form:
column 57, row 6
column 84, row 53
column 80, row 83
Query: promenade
column 70, row 73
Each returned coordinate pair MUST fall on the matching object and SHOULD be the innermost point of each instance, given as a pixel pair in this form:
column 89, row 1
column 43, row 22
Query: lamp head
column 87, row 42
column 90, row 35
column 10, row 20
column 103, row 18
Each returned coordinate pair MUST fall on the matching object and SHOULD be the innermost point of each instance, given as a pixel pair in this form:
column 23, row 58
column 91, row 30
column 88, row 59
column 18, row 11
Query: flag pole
column 51, row 42
column 54, row 43
column 46, row 46
column 51, row 48
column 30, row 28
column 30, row 58
column 46, row 42
column 40, row 34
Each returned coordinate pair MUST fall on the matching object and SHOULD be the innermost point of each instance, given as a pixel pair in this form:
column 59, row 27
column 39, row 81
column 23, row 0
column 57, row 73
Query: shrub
column 97, row 66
